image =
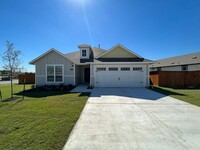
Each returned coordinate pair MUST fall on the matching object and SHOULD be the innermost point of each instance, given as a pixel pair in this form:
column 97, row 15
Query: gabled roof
column 193, row 58
column 124, row 48
column 95, row 56
column 49, row 51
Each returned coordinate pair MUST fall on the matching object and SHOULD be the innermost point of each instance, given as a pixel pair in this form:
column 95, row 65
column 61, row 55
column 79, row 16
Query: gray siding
column 54, row 58
column 40, row 80
column 78, row 74
column 194, row 67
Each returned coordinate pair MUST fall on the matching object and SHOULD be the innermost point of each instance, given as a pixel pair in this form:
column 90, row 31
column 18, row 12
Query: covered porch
column 83, row 74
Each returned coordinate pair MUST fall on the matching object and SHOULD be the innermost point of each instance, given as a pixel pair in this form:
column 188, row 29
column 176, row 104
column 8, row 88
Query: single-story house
column 189, row 62
column 116, row 67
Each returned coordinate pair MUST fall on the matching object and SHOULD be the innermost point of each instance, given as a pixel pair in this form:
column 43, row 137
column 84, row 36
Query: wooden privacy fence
column 175, row 78
column 28, row 78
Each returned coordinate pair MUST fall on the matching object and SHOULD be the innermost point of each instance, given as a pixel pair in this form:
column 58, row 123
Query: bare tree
column 11, row 61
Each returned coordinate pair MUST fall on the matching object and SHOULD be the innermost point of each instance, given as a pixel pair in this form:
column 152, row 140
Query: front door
column 86, row 74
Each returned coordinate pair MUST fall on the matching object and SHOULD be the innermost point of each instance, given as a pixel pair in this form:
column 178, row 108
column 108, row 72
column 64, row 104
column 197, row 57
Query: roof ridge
column 72, row 52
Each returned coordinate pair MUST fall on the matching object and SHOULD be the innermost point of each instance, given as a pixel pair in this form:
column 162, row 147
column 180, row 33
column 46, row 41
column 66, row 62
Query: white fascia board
column 112, row 63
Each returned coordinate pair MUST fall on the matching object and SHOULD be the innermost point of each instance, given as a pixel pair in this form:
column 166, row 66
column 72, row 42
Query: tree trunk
column 11, row 84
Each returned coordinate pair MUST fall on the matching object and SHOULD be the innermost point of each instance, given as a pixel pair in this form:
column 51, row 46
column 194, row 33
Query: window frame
column 84, row 51
column 122, row 69
column 54, row 73
column 137, row 69
column 113, row 69
column 100, row 69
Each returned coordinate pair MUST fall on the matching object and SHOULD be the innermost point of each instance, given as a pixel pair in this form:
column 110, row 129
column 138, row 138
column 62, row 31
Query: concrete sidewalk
column 82, row 88
column 135, row 118
column 15, row 81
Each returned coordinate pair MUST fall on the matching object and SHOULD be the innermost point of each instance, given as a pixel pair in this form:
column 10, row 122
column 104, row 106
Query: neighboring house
column 116, row 67
column 189, row 62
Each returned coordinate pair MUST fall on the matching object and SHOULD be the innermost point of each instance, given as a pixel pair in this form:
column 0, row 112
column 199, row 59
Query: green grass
column 191, row 96
column 42, row 121
column 5, row 89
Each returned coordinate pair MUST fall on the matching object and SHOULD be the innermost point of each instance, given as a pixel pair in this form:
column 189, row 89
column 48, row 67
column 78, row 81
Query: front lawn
column 43, row 120
column 191, row 96
column 5, row 89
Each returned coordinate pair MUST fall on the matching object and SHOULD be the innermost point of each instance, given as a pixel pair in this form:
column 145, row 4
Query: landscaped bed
column 191, row 96
column 42, row 120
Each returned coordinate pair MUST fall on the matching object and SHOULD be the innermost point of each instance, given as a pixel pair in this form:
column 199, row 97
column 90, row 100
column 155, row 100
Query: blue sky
column 154, row 29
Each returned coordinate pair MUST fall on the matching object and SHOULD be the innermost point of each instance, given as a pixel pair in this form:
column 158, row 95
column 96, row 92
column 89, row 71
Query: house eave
column 113, row 63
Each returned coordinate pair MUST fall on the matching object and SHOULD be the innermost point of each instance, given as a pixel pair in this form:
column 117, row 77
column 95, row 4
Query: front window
column 54, row 73
column 84, row 53
column 58, row 73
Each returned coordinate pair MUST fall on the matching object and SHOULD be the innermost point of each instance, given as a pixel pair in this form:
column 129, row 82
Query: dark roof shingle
column 97, row 52
column 193, row 58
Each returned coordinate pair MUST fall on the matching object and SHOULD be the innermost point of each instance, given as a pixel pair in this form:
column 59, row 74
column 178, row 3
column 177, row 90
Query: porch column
column 91, row 74
column 74, row 74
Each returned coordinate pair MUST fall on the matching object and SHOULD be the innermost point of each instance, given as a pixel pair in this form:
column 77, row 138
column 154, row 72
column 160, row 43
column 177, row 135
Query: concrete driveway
column 135, row 118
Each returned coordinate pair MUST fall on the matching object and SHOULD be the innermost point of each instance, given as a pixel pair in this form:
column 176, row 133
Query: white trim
column 122, row 48
column 35, row 75
column 119, row 63
column 54, row 72
column 83, row 64
column 113, row 63
column 144, row 72
column 81, row 53
column 51, row 50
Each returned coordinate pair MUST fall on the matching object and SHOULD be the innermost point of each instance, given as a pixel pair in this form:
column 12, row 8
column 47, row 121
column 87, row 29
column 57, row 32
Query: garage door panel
column 107, row 79
column 124, row 76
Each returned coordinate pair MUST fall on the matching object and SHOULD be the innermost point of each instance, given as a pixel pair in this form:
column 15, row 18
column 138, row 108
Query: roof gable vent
column 194, row 57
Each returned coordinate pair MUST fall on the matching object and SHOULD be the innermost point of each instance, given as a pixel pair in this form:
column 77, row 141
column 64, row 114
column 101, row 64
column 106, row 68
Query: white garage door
column 119, row 76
